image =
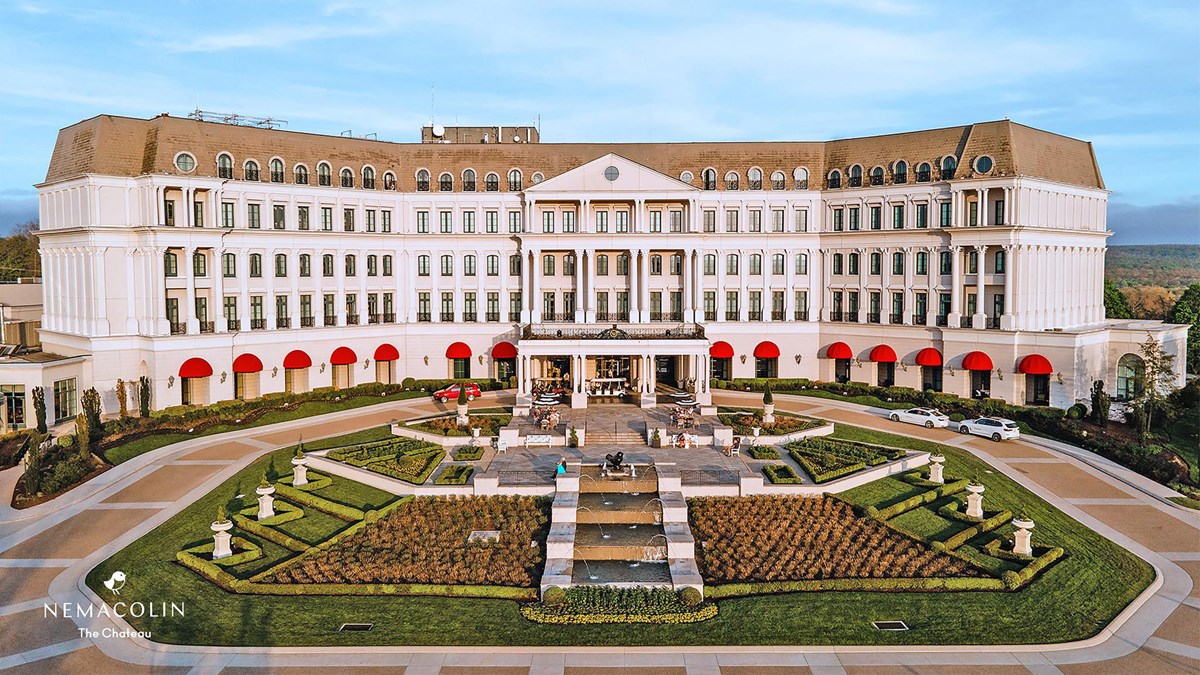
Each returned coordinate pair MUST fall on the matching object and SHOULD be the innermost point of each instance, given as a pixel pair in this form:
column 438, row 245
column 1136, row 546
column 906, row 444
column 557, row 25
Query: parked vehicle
column 451, row 392
column 995, row 428
column 926, row 417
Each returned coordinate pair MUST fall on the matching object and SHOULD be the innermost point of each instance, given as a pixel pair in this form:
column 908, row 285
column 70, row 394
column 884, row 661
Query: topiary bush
column 691, row 597
column 554, row 596
column 408, row 383
column 1077, row 412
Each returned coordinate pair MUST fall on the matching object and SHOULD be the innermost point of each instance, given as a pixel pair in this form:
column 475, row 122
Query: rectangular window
column 568, row 221
column 972, row 262
column 385, row 222
column 922, row 216
column 229, row 265
column 491, row 221
column 944, row 263
column 897, row 263
column 302, row 217
column 623, row 303
column 469, row 265
column 622, row 221
column 372, row 266
column 447, row 265
column 387, row 265
column 281, row 265
column 256, row 308
column 710, row 221
column 897, row 216
column 998, row 214
column 973, row 213
column 327, row 304
column 777, row 263
column 468, row 221
column 227, row 214
column 198, row 214
column 801, row 263
column 777, row 220
column 351, row 268
column 327, row 265
column 493, row 306
column 731, row 221
column 230, row 308
column 548, row 265
column 493, row 265
column 838, row 223
column 756, row 220
column 801, row 220
column 602, row 303
column 710, row 305
column 622, row 265
column 677, row 221
column 514, row 305
column 710, row 264
column 370, row 215
column 64, row 400
column 327, row 218
column 876, row 217
column 445, row 222
column 731, row 264
column 514, row 221
column 854, row 218
column 944, row 214
column 279, row 216
column 602, row 265
column 254, row 216
column 731, row 304
column 281, row 306
column 547, row 221
column 602, row 221
column 922, row 263
column 422, row 222
column 656, row 221
column 306, row 307
column 255, row 265
column 423, row 306
column 169, row 212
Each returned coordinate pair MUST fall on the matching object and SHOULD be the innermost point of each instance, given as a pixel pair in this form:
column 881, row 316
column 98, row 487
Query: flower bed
column 781, row 474
column 412, row 467
column 454, row 474
column 488, row 425
column 424, row 541
column 770, row 539
column 599, row 604
column 379, row 451
column 743, row 421
column 468, row 453
column 761, row 451
column 826, row 459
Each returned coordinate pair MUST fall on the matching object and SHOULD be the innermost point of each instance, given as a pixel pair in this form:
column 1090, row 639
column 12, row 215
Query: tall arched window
column 368, row 178
column 800, row 175
column 855, row 176
column 731, row 180
column 491, row 183
column 710, row 179
column 301, row 173
column 877, row 176
column 1131, row 377
column 389, row 181
column 276, row 171
column 422, row 181
column 224, row 166
column 347, row 178
column 514, row 180
column 778, row 181
column 251, row 170
column 900, row 172
column 923, row 171
column 445, row 183
column 949, row 164
column 755, row 178
column 324, row 175
column 468, row 180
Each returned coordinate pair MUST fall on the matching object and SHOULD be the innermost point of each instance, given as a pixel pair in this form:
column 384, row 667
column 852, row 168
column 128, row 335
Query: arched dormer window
column 900, row 172
column 514, row 180
column 949, row 164
column 445, row 183
column 754, row 177
column 800, row 175
column 491, row 182
column 854, row 176
column 778, row 181
column 368, row 175
column 224, row 166
column 347, row 178
column 877, row 176
column 301, row 174
column 324, row 174
column 731, row 180
column 389, row 181
column 923, row 172
column 710, row 179
column 422, row 181
column 835, row 179
column 468, row 178
column 250, row 170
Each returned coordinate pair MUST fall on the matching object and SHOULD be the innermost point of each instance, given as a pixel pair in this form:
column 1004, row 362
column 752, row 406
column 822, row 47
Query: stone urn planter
column 299, row 470
column 221, row 538
column 1021, row 538
column 936, row 463
column 266, row 500
column 975, row 500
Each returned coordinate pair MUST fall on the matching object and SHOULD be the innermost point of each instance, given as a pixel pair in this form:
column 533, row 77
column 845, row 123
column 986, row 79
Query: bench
column 538, row 439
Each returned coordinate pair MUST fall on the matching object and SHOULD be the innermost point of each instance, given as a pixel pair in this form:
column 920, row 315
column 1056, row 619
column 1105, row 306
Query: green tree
column 1187, row 311
column 39, row 408
column 1115, row 305
column 19, row 253
column 1160, row 383
column 33, row 466
column 90, row 402
column 144, row 396
column 83, row 441
column 122, row 398
column 1101, row 403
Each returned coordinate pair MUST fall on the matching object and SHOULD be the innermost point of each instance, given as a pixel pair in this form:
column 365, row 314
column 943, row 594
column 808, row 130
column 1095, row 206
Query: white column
column 634, row 292
column 1006, row 319
column 100, row 291
column 789, row 276
column 721, row 306
column 910, row 304
column 864, row 298
column 644, row 282
column 581, row 293
column 980, row 318
column 535, row 311
column 131, row 265
column 686, row 286
column 743, row 268
column 955, row 287
column 160, row 292
column 590, row 313
column 983, row 195
column 816, row 285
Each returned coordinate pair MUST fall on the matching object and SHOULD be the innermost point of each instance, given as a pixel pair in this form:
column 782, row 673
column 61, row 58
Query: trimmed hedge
column 454, row 474
column 911, row 503
column 316, row 481
column 979, row 528
column 284, row 513
column 781, row 474
column 347, row 513
column 826, row 459
column 468, row 453
column 249, row 551
column 268, row 533
column 736, row 590
column 762, row 452
column 1040, row 563
column 601, row 604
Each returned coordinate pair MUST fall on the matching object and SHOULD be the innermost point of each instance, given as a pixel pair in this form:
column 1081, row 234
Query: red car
column 451, row 393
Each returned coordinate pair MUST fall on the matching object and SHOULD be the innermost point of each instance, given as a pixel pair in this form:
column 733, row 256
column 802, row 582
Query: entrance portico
column 613, row 362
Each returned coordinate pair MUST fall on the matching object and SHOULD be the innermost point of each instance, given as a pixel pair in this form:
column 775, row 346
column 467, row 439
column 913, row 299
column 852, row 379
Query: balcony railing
column 920, row 319
column 993, row 322
column 389, row 317
column 178, row 328
column 666, row 316
column 837, row 316
column 964, row 322
column 854, row 181
column 872, row 317
column 899, row 178
column 778, row 315
column 283, row 322
column 754, row 315
column 876, row 180
column 558, row 317
column 942, row 320
column 641, row 332
column 258, row 324
column 492, row 317
column 947, row 174
column 470, row 317
column 424, row 317
column 233, row 324
column 308, row 321
column 514, row 316
column 801, row 315
column 731, row 315
column 330, row 320
column 710, row 315
column 896, row 319
column 208, row 327
column 446, row 317
column 923, row 176
column 852, row 317
column 373, row 319
column 351, row 319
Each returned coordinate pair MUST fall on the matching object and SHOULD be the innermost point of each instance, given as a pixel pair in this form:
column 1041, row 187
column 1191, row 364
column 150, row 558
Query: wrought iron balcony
column 308, row 321
column 854, row 181
column 389, row 317
column 942, row 320
column 558, row 317
column 896, row 319
column 923, row 176
column 993, row 322
column 964, row 322
column 283, row 322
column 351, row 319
column 710, row 315
column 373, row 319
column 424, row 317
column 673, row 332
column 233, row 324
column 778, row 315
column 492, row 317
column 852, row 317
column 876, row 180
column 801, row 315
column 899, row 178
column 469, row 317
column 208, row 327
column 872, row 317
column 920, row 319
column 514, row 316
column 755, row 315
column 446, row 317
column 178, row 328
column 330, row 320
column 836, row 316
column 731, row 315
column 258, row 324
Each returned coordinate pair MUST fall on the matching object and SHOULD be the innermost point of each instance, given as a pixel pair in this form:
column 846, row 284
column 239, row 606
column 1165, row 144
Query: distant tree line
column 19, row 253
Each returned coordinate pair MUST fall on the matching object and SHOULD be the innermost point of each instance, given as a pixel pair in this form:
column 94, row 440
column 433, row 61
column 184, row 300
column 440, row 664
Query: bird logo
column 115, row 582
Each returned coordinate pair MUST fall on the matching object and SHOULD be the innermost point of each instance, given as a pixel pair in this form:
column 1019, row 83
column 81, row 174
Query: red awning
column 977, row 361
column 296, row 359
column 766, row 350
column 504, row 350
column 195, row 367
column 458, row 350
column 883, row 354
column 1035, row 364
column 929, row 357
column 721, row 350
column 342, row 356
column 839, row 350
column 247, row 363
column 386, row 352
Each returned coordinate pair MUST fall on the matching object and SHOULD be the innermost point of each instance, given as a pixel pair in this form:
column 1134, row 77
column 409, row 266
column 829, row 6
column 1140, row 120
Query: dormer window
column 900, row 172
column 224, row 166
column 923, row 172
column 347, row 178
column 514, row 180
column 983, row 164
column 368, row 178
column 731, row 180
column 855, row 176
column 276, row 170
column 778, row 181
column 491, row 182
column 324, row 175
column 877, row 176
column 445, row 183
column 755, row 179
column 301, row 172
column 710, row 179
column 949, row 164
column 800, row 175
column 250, row 170
column 422, row 181
column 468, row 180
column 389, row 181
column 835, row 179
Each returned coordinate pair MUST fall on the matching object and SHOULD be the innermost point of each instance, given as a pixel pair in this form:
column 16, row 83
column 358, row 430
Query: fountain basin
column 619, row 573
column 618, row 508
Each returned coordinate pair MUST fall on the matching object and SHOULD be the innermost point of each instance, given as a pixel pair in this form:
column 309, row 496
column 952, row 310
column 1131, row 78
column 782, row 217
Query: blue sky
column 1125, row 75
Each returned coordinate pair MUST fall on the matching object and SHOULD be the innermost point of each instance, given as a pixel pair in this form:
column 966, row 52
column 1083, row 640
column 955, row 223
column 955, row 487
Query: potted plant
column 768, row 406
column 463, row 402
column 573, row 440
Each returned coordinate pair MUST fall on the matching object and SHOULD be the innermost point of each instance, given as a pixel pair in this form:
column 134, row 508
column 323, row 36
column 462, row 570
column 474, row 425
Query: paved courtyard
column 46, row 550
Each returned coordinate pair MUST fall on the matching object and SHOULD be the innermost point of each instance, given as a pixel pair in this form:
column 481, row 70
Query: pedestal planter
column 768, row 413
column 299, row 471
column 462, row 419
column 975, row 500
column 266, row 501
column 1021, row 543
column 936, row 463
column 221, row 539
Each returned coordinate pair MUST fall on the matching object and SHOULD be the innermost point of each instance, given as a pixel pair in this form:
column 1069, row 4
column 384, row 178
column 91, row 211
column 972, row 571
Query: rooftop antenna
column 431, row 106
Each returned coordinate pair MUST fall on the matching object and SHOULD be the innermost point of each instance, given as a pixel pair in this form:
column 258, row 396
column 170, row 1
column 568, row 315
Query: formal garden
column 778, row 570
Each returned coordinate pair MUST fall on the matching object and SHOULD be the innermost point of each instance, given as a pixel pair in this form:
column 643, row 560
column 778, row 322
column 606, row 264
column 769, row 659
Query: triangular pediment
column 596, row 176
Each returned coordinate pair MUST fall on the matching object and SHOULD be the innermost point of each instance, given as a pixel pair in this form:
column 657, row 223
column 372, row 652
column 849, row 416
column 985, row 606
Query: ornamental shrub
column 1012, row 580
column 1077, row 412
column 691, row 597
column 408, row 383
column 768, row 398
column 39, row 407
column 144, row 396
column 554, row 596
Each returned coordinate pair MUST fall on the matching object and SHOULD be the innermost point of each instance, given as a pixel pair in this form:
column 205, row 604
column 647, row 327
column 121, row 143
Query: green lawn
column 127, row 451
column 1074, row 599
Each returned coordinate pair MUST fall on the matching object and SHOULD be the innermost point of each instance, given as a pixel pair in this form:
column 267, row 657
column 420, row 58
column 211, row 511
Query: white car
column 995, row 428
column 926, row 417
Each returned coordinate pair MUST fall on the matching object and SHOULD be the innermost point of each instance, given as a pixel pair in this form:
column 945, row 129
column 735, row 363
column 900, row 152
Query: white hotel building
column 227, row 261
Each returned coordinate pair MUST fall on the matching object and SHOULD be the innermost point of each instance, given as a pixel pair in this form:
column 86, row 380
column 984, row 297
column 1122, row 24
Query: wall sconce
column 322, row 367
column 743, row 357
column 999, row 375
column 223, row 376
column 426, row 360
column 1059, row 376
column 481, row 359
column 171, row 381
column 904, row 366
column 799, row 357
column 366, row 363
column 274, row 371
column 951, row 369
